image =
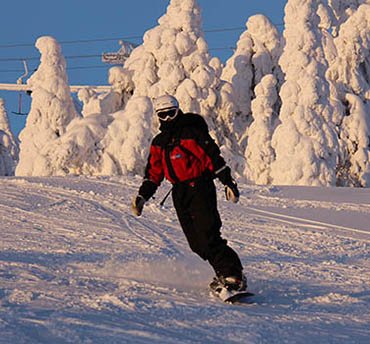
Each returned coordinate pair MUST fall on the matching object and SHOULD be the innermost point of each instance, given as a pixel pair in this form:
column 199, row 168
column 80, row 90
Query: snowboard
column 233, row 296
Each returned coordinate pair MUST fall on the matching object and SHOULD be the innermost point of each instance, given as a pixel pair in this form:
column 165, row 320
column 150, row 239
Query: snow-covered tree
column 8, row 145
column 344, row 9
column 259, row 153
column 174, row 59
column 257, row 54
column 351, row 67
column 355, row 135
column 350, row 72
column 126, row 144
column 104, row 143
column 327, row 22
column 78, row 150
column 240, row 73
column 110, row 102
column 305, row 142
column 52, row 109
column 267, row 47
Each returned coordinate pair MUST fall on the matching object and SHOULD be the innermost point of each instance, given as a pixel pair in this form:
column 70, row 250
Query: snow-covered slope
column 77, row 267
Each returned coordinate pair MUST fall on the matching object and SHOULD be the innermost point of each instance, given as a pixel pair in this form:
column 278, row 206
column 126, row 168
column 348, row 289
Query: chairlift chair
column 119, row 57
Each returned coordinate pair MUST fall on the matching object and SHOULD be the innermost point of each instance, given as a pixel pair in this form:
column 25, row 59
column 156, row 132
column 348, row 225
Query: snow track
column 77, row 267
column 293, row 220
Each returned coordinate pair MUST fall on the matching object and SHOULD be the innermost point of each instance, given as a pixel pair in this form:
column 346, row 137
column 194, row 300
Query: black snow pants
column 196, row 207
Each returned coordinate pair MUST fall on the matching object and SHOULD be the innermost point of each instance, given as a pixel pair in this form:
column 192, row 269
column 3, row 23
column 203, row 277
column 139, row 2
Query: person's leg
column 199, row 218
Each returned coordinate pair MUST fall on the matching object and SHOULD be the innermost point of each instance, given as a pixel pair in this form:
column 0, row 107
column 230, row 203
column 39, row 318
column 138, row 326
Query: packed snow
column 77, row 267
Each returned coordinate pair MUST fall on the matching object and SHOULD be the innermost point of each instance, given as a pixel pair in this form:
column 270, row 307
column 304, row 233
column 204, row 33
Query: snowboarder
column 188, row 157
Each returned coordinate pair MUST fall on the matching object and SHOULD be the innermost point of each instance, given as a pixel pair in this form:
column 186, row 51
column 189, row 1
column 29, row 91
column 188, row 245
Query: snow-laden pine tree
column 259, row 153
column 126, row 143
column 351, row 67
column 109, row 102
column 305, row 142
column 344, row 9
column 8, row 145
column 257, row 54
column 79, row 149
column 52, row 109
column 174, row 59
column 327, row 23
column 355, row 135
column 350, row 72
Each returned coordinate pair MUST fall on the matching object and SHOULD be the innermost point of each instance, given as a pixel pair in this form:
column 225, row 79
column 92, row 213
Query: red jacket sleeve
column 154, row 173
column 154, row 169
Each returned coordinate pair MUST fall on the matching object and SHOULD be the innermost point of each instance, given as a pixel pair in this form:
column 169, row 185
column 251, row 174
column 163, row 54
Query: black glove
column 147, row 189
column 232, row 192
column 231, row 188
column 137, row 205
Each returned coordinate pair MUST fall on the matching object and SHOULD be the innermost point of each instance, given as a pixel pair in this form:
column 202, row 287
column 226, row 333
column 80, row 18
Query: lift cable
column 88, row 56
column 16, row 45
column 68, row 68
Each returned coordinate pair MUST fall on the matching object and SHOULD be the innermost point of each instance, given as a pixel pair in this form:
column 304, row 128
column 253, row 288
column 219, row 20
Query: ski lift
column 20, row 82
column 121, row 55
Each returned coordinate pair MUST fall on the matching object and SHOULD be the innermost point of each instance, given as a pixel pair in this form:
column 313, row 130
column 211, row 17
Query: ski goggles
column 168, row 114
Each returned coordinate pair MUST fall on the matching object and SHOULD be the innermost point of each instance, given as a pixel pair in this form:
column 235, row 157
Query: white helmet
column 166, row 107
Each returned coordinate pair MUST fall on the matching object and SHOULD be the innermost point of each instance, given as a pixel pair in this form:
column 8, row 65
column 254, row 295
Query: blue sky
column 23, row 21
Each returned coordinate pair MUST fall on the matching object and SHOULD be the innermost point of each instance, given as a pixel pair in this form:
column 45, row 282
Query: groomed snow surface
column 77, row 267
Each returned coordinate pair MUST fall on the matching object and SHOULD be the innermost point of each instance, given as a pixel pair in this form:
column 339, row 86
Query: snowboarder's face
column 168, row 114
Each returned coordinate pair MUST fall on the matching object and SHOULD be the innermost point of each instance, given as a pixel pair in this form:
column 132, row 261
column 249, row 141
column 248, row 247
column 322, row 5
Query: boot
column 230, row 283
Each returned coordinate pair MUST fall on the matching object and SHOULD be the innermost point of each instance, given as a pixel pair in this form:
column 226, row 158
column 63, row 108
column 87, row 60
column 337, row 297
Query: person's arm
column 152, row 179
column 218, row 164
column 153, row 173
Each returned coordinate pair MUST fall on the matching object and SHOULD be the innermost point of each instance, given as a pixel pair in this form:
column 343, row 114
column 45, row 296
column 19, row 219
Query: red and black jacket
column 182, row 152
